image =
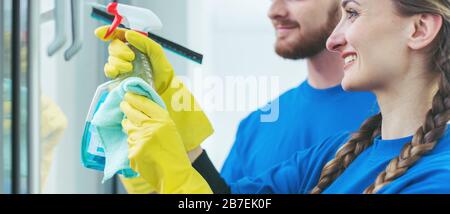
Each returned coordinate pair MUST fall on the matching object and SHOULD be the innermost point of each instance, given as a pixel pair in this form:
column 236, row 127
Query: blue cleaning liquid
column 92, row 150
column 92, row 153
column 91, row 161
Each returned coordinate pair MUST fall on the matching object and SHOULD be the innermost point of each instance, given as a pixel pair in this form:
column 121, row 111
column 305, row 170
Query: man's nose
column 278, row 10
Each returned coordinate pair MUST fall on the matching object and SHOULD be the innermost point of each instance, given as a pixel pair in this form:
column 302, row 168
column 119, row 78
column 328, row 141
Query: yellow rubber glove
column 53, row 124
column 136, row 185
column 7, row 118
column 192, row 124
column 156, row 150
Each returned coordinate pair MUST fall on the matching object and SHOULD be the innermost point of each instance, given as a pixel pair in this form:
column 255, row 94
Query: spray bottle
column 134, row 18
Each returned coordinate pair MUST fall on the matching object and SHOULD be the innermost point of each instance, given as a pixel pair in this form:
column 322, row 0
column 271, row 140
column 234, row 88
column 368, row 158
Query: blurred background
column 235, row 37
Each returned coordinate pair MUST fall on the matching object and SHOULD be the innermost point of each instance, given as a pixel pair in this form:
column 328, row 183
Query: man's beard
column 309, row 44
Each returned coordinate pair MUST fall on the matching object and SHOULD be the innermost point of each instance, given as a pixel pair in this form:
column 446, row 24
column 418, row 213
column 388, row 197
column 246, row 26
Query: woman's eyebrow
column 345, row 2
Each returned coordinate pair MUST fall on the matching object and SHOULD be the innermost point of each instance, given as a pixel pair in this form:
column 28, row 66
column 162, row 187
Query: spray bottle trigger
column 112, row 9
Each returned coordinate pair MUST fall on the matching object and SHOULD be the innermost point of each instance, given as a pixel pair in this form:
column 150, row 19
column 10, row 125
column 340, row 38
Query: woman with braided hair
column 411, row 80
column 399, row 50
column 402, row 54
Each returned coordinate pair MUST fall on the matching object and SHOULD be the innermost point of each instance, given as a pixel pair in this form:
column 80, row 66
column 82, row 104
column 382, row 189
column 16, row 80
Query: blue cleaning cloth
column 108, row 128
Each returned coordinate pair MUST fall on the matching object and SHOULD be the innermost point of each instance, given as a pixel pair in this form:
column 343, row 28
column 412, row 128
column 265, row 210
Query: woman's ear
column 426, row 28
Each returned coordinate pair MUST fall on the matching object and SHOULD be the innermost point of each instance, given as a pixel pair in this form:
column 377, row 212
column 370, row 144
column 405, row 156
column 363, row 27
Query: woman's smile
column 349, row 59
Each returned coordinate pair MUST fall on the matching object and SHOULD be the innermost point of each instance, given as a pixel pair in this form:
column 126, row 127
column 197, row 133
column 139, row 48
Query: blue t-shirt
column 307, row 116
column 300, row 174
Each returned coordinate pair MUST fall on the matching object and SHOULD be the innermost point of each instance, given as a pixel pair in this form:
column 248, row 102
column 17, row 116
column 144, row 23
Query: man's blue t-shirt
column 307, row 116
column 301, row 173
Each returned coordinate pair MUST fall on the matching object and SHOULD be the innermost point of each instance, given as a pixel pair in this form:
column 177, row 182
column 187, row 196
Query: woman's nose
column 336, row 41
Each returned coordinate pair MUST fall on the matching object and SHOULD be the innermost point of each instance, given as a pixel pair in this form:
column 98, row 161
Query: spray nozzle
column 136, row 18
column 112, row 9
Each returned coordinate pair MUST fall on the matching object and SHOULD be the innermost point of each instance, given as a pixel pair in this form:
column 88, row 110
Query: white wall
column 237, row 38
